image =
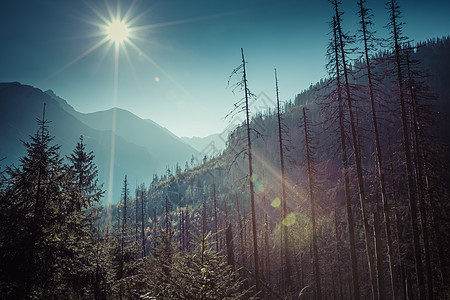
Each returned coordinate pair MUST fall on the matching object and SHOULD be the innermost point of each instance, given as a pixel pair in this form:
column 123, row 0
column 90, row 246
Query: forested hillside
column 223, row 184
column 340, row 194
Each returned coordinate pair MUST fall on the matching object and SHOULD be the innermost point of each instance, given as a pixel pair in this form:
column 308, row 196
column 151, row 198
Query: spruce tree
column 33, row 213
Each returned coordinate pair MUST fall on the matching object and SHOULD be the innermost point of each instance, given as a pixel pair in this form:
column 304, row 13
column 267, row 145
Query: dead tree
column 285, row 263
column 338, row 253
column 215, row 217
column 338, row 117
column 143, row 219
column 243, row 105
column 136, row 225
column 367, row 37
column 394, row 25
column 309, row 162
column 356, row 152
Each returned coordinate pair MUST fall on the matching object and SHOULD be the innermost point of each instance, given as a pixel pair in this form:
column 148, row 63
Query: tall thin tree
column 309, row 161
column 243, row 104
column 143, row 219
column 336, row 61
column 285, row 261
column 356, row 150
column 368, row 38
column 395, row 28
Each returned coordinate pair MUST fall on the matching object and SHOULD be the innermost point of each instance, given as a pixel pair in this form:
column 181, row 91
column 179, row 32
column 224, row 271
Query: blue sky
column 196, row 44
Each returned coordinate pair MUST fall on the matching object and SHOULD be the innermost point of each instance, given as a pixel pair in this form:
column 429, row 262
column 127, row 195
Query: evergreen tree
column 202, row 274
column 88, row 271
column 85, row 172
column 126, row 249
column 33, row 209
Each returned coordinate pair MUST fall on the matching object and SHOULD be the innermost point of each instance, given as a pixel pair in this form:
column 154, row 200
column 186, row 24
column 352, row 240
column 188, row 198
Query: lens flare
column 289, row 220
column 276, row 202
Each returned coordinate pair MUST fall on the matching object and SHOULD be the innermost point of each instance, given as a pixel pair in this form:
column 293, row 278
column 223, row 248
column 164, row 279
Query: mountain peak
column 51, row 93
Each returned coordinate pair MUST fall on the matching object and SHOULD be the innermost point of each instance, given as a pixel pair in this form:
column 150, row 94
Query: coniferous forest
column 341, row 193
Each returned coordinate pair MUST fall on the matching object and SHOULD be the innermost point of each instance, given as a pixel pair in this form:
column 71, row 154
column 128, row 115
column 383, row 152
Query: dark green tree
column 33, row 210
column 89, row 268
column 85, row 173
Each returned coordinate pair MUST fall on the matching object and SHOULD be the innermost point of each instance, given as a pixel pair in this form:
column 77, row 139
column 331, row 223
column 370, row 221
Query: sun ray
column 109, row 11
column 114, row 17
column 113, row 123
column 104, row 54
column 100, row 43
column 118, row 11
column 291, row 187
column 184, row 21
column 138, row 17
column 133, row 70
column 97, row 13
column 127, row 14
column 146, row 57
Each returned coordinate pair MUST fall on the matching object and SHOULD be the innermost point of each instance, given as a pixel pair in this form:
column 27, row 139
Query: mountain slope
column 212, row 144
column 20, row 105
column 159, row 142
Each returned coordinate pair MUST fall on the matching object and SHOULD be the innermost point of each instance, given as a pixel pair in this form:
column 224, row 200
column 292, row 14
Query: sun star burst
column 118, row 31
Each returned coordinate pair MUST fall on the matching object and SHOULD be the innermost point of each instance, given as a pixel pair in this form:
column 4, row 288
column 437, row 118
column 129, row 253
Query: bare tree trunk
column 215, row 218
column 351, row 226
column 241, row 231
column 379, row 252
column 394, row 10
column 387, row 222
column 267, row 242
column 142, row 223
column 338, row 253
column 136, row 216
column 250, row 173
column 418, row 159
column 397, row 220
column 241, row 238
column 229, row 238
column 318, row 292
column 166, row 214
column 286, row 274
column 356, row 152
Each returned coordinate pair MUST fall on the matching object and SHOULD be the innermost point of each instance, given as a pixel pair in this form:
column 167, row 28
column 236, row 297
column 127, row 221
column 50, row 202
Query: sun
column 118, row 31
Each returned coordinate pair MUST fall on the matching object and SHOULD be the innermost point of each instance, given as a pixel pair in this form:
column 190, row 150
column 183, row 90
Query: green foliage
column 46, row 245
column 201, row 274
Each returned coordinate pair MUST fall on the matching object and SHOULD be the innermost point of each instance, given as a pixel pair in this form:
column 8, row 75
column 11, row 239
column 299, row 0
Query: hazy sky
column 194, row 45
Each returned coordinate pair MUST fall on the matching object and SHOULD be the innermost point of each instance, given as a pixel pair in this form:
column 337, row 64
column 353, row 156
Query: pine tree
column 86, row 174
column 33, row 209
column 83, row 222
column 203, row 274
column 125, row 252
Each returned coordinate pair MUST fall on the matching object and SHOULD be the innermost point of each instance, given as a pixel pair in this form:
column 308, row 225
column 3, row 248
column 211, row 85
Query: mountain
column 209, row 145
column 141, row 149
column 159, row 141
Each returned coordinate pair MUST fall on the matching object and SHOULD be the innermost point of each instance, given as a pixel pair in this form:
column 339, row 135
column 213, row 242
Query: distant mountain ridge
column 159, row 141
column 141, row 148
column 211, row 145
